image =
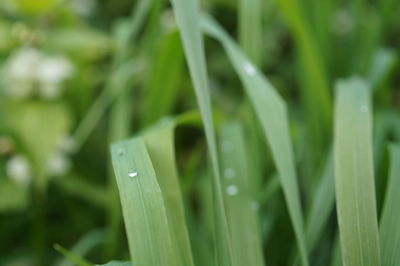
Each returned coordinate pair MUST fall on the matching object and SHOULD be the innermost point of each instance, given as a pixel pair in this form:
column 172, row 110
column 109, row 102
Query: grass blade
column 250, row 29
column 272, row 114
column 143, row 207
column 355, row 189
column 84, row 245
column 163, row 86
column 117, row 263
column 390, row 220
column 314, row 77
column 188, row 19
column 162, row 154
column 71, row 256
column 241, row 204
column 322, row 205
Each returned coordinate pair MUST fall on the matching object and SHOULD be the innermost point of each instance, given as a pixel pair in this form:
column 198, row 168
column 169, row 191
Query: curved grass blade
column 390, row 220
column 188, row 19
column 143, row 207
column 355, row 189
column 160, row 144
column 241, row 204
column 272, row 114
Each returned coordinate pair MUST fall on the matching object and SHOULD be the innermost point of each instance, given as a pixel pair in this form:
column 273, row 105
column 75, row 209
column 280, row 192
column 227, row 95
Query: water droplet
column 120, row 152
column 255, row 206
column 249, row 68
column 132, row 173
column 229, row 173
column 232, row 190
column 226, row 146
column 364, row 108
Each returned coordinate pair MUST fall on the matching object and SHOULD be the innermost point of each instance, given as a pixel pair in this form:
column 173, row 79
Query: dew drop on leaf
column 132, row 173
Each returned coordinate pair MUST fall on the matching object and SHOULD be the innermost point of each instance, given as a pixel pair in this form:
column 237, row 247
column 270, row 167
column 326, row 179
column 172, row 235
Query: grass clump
column 218, row 133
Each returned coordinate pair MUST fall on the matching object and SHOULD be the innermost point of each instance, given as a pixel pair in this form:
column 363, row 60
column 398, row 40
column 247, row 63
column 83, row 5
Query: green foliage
column 219, row 118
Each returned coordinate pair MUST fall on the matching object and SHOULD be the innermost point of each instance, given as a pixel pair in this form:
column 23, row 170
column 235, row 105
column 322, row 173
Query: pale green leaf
column 143, row 207
column 242, row 206
column 250, row 29
column 355, row 188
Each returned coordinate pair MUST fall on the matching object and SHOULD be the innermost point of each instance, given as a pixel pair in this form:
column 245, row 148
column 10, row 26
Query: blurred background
column 76, row 75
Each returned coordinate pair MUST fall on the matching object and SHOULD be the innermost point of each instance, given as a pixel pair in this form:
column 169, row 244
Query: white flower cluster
column 30, row 71
column 19, row 168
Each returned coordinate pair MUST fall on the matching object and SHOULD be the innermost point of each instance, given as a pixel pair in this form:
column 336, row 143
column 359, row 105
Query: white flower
column 30, row 69
column 51, row 73
column 54, row 69
column 59, row 164
column 20, row 73
column 19, row 170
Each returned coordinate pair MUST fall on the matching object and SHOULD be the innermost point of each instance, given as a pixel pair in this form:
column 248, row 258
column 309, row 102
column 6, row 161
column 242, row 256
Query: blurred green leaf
column 116, row 263
column 13, row 197
column 390, row 219
column 242, row 206
column 40, row 127
column 166, row 74
column 85, row 44
column 355, row 188
column 78, row 260
column 84, row 245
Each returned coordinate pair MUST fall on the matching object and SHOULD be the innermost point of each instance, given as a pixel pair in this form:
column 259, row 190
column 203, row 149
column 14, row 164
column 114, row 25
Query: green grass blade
column 121, row 72
column 383, row 63
column 119, row 78
column 160, row 144
column 143, row 207
column 188, row 19
column 272, row 114
column 84, row 245
column 241, row 204
column 322, row 205
column 390, row 219
column 355, row 188
column 250, row 29
column 314, row 77
column 71, row 256
column 166, row 75
column 336, row 255
column 117, row 263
